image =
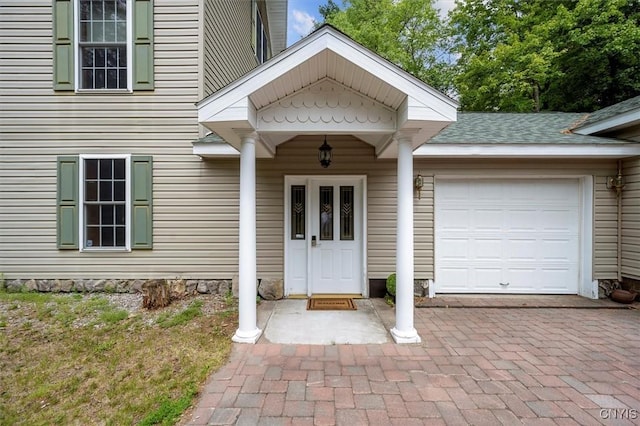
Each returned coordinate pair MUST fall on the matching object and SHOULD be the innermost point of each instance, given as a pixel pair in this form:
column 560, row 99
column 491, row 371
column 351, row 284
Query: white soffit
column 277, row 17
column 329, row 60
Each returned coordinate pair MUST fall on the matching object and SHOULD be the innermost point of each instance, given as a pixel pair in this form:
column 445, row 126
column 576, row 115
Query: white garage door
column 507, row 236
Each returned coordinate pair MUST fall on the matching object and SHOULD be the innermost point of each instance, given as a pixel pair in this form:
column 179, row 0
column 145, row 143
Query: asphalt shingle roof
column 517, row 128
column 611, row 111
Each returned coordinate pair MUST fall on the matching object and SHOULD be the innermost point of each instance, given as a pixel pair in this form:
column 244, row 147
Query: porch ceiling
column 327, row 84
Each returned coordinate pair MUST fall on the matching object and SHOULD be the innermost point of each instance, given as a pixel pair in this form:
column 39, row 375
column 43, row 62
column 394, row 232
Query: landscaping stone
column 179, row 288
column 420, row 287
column 271, row 288
column 202, row 287
column 606, row 287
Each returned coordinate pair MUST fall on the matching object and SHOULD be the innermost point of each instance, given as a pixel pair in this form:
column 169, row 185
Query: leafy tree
column 571, row 55
column 405, row 32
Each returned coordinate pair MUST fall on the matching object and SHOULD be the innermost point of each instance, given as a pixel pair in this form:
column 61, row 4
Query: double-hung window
column 103, row 44
column 105, row 202
column 105, row 199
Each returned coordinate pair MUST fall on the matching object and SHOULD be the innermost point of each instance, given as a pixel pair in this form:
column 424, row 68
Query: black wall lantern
column 324, row 154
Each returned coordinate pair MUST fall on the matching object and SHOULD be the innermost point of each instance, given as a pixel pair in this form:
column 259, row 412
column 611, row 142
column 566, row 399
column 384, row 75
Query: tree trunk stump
column 155, row 294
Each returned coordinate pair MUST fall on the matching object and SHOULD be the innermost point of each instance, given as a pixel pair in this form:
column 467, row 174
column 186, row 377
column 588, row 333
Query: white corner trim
column 586, row 286
column 620, row 120
column 526, row 151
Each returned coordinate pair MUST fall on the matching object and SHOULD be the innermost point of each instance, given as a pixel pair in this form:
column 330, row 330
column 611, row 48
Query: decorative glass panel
column 346, row 213
column 297, row 212
column 326, row 213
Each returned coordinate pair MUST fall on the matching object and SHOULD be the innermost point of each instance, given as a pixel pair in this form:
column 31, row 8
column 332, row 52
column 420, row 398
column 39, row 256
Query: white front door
column 324, row 235
column 336, row 236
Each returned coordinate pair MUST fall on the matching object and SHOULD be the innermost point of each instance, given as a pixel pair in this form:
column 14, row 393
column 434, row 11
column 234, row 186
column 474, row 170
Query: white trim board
column 619, row 121
column 527, row 151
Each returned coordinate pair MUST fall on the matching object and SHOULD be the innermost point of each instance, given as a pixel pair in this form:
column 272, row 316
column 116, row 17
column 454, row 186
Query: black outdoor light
column 324, row 154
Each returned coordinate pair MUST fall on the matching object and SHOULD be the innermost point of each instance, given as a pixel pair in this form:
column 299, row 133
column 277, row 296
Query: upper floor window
column 260, row 32
column 102, row 44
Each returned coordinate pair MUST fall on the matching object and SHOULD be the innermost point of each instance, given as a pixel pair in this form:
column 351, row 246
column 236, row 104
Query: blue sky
column 304, row 13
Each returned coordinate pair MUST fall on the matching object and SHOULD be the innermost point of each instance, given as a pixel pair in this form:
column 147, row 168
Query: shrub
column 391, row 284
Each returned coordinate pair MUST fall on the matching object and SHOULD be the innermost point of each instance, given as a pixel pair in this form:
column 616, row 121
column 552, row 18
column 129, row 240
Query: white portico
column 326, row 84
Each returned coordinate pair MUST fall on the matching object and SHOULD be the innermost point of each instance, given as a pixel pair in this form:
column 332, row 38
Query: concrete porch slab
column 289, row 322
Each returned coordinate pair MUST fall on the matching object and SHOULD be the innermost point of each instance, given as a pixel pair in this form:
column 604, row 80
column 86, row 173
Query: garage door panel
column 488, row 219
column 522, row 220
column 521, row 249
column 521, row 279
column 493, row 191
column 455, row 193
column 456, row 278
column 522, row 232
column 486, row 279
column 558, row 280
column 557, row 249
column 455, row 219
column 559, row 220
column 486, row 249
column 454, row 249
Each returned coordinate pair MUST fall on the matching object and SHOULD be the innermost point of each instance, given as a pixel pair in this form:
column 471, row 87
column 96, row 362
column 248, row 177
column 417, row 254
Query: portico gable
column 326, row 84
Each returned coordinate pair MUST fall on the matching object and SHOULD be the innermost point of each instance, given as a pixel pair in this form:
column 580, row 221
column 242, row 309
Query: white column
column 404, row 332
column 248, row 331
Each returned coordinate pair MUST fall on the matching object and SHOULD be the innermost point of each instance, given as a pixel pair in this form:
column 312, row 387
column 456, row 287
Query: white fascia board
column 242, row 110
column 390, row 73
column 413, row 110
column 526, row 151
column 259, row 77
column 622, row 120
column 326, row 38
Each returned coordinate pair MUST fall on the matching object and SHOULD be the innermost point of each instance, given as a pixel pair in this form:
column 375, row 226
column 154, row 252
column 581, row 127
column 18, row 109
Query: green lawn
column 74, row 359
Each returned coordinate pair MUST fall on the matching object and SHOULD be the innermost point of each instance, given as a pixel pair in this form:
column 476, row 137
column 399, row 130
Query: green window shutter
column 141, row 202
column 67, row 203
column 143, row 45
column 63, row 70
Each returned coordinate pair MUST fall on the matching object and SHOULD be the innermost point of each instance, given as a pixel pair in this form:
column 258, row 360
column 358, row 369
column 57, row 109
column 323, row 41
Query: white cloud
column 303, row 23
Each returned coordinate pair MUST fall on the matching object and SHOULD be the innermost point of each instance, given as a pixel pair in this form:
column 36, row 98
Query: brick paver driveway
column 475, row 366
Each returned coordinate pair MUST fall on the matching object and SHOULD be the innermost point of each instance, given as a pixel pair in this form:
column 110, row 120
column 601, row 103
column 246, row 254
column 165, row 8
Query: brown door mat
column 331, row 304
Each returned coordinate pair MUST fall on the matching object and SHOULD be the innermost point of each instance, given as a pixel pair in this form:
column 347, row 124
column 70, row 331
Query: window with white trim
column 104, row 198
column 103, row 44
column 261, row 41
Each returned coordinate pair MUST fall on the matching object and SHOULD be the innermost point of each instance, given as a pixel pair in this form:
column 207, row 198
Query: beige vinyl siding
column 195, row 203
column 631, row 219
column 605, row 237
column 226, row 23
